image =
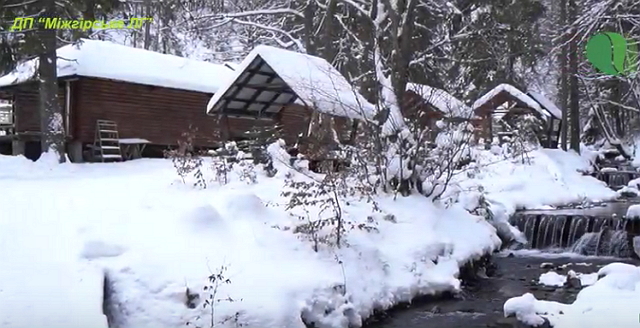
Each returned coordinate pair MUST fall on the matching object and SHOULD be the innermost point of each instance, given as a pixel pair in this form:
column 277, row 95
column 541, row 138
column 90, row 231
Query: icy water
column 480, row 304
column 600, row 230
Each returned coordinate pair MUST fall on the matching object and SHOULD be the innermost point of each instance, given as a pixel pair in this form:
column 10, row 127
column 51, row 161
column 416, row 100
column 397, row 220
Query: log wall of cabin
column 160, row 115
column 26, row 107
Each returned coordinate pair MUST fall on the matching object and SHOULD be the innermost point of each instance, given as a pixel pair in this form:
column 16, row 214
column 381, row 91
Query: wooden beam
column 246, row 113
column 236, row 92
column 259, row 102
column 263, row 87
column 259, row 92
column 273, row 99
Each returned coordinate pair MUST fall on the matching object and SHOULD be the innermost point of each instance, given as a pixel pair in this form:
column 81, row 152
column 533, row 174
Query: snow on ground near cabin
column 155, row 237
column 103, row 59
column 610, row 302
column 551, row 177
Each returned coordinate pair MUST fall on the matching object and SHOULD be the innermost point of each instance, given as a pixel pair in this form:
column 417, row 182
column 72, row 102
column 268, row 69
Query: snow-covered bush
column 526, row 130
column 212, row 290
column 187, row 160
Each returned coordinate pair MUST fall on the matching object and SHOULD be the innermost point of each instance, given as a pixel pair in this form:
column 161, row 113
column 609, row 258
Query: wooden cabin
column 426, row 105
column 506, row 101
column 151, row 97
column 305, row 95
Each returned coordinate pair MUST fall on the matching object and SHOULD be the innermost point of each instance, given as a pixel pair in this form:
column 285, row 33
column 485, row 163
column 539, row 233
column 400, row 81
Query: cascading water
column 604, row 243
column 582, row 234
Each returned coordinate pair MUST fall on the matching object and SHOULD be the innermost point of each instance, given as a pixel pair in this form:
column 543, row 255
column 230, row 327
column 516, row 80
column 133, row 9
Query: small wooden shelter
column 427, row 105
column 506, row 100
column 152, row 98
column 305, row 95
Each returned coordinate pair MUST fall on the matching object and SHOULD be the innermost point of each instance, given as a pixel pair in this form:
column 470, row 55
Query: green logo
column 613, row 54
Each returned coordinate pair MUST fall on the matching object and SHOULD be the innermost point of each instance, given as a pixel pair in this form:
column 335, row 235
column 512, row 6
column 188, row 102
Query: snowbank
column 633, row 212
column 609, row 302
column 548, row 177
column 154, row 237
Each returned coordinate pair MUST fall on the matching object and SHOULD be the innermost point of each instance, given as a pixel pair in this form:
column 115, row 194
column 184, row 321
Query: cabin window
column 6, row 114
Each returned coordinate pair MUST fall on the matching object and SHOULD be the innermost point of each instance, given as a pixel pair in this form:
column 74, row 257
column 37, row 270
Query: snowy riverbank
column 542, row 179
column 156, row 237
column 609, row 302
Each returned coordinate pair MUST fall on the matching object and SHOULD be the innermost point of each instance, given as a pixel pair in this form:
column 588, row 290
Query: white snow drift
column 609, row 302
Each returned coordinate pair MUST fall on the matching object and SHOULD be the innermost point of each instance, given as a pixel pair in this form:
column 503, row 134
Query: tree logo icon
column 613, row 54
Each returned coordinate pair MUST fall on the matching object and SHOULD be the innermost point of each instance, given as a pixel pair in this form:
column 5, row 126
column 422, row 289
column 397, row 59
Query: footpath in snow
column 161, row 242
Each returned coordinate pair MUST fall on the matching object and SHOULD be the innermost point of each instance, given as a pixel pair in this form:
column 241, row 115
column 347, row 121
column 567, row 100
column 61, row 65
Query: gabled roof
column 443, row 101
column 102, row 59
column 503, row 92
column 270, row 78
column 547, row 104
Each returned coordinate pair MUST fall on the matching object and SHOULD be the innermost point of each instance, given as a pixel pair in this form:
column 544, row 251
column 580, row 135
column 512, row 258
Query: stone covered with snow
column 633, row 212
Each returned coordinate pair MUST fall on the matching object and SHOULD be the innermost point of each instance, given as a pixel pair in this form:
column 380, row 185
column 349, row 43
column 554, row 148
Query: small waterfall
column 582, row 234
column 604, row 243
column 578, row 227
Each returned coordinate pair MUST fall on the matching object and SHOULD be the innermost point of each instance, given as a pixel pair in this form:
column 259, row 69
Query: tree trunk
column 563, row 94
column 309, row 40
column 51, row 116
column 147, row 25
column 574, row 91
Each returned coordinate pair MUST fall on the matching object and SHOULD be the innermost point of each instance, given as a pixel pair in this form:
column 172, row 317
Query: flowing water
column 600, row 231
column 556, row 236
column 480, row 304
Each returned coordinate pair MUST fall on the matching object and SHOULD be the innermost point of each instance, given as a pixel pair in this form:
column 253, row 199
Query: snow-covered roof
column 441, row 100
column 103, row 59
column 546, row 103
column 313, row 80
column 513, row 91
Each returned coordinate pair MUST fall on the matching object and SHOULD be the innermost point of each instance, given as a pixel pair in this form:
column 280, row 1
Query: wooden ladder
column 106, row 146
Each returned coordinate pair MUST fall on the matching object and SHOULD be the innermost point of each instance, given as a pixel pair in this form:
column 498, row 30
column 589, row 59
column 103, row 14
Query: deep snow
column 156, row 236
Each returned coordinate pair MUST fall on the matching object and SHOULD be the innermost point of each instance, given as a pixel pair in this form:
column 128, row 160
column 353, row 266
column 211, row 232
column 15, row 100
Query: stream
column 480, row 303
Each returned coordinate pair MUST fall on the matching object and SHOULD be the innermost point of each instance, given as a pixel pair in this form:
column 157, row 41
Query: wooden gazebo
column 511, row 101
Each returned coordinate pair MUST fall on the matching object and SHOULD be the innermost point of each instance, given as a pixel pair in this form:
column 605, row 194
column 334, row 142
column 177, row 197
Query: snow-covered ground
column 155, row 237
column 612, row 301
column 64, row 226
